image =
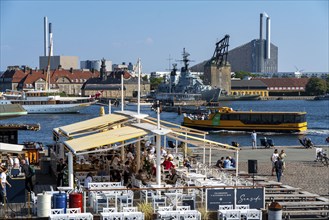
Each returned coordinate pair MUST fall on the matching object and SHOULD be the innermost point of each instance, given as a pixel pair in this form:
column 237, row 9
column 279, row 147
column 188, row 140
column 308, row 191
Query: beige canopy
column 93, row 124
column 103, row 138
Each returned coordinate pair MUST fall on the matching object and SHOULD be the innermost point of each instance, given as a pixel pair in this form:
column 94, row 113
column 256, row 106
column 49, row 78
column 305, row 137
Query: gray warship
column 186, row 87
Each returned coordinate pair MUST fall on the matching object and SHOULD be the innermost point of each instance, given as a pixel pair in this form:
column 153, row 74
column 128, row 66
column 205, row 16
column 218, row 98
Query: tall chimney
column 268, row 38
column 51, row 45
column 45, row 33
column 261, row 27
column 261, row 47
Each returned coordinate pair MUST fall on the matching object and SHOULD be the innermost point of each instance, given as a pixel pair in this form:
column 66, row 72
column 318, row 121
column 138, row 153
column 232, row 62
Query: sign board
column 216, row 197
column 254, row 197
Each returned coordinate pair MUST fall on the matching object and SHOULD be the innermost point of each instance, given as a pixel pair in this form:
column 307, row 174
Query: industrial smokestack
column 51, row 43
column 45, row 33
column 268, row 38
column 261, row 27
column 261, row 46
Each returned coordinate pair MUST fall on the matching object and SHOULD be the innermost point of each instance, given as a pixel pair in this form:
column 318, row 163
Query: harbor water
column 317, row 119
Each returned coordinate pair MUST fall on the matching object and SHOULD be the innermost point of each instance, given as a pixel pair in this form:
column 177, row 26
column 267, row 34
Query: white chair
column 127, row 199
column 172, row 215
column 129, row 209
column 165, row 208
column 158, row 201
column 134, row 216
column 225, row 207
column 183, row 208
column 190, row 215
column 113, row 216
column 56, row 211
column 242, row 207
column 73, row 210
column 110, row 209
column 232, row 215
column 254, row 215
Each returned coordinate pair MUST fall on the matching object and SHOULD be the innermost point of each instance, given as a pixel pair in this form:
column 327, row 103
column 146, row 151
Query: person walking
column 60, row 172
column 278, row 169
column 254, row 139
column 3, row 183
column 274, row 158
column 282, row 156
column 27, row 170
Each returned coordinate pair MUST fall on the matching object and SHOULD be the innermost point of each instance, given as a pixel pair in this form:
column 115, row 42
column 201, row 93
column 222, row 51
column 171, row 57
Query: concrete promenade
column 301, row 169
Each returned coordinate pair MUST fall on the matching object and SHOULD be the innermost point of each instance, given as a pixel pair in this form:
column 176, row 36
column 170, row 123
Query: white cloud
column 148, row 41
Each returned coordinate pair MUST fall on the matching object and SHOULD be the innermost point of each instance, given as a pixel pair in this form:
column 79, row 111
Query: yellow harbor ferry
column 224, row 118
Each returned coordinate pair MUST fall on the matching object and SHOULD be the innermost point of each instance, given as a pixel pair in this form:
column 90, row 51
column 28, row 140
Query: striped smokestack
column 45, row 35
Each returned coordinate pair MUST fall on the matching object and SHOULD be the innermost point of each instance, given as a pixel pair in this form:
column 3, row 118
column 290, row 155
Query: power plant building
column 259, row 55
column 64, row 62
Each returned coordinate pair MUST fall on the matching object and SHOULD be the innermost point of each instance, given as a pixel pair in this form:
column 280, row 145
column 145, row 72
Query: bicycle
column 322, row 157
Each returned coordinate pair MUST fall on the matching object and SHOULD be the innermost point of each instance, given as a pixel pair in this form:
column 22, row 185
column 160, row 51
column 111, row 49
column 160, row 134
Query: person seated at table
column 167, row 164
column 115, row 161
column 102, row 170
column 163, row 152
column 227, row 163
column 169, row 155
column 187, row 163
column 233, row 163
column 115, row 176
column 127, row 174
column 152, row 149
column 141, row 176
column 220, row 163
column 88, row 179
column 173, row 177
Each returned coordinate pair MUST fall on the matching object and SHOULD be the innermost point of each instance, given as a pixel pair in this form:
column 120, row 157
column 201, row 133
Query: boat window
column 224, row 116
column 266, row 118
column 277, row 118
column 245, row 117
column 300, row 118
column 255, row 118
column 289, row 118
column 233, row 116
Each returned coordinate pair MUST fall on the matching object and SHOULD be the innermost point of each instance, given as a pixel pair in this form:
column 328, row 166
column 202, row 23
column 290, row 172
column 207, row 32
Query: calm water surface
column 317, row 118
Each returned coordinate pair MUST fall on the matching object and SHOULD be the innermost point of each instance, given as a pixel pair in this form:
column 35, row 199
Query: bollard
column 275, row 211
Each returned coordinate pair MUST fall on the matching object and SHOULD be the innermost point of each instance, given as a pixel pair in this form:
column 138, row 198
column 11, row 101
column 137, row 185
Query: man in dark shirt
column 278, row 168
column 60, row 172
column 27, row 170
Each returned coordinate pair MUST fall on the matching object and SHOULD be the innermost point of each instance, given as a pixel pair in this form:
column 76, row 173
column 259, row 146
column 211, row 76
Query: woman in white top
column 274, row 158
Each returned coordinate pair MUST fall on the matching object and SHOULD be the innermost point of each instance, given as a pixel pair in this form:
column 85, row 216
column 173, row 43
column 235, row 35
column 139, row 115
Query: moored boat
column 225, row 118
column 46, row 102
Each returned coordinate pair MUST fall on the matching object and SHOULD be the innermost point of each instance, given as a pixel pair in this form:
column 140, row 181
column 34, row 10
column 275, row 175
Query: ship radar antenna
column 185, row 60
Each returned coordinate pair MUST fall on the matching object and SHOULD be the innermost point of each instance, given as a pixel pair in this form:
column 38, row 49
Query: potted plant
column 147, row 209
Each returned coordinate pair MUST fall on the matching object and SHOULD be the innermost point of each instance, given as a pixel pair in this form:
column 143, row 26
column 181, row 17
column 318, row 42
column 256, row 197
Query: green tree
column 243, row 74
column 316, row 86
column 155, row 82
column 327, row 81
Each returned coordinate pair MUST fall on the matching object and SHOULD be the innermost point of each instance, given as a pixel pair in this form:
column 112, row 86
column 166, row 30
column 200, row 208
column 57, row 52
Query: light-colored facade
column 65, row 62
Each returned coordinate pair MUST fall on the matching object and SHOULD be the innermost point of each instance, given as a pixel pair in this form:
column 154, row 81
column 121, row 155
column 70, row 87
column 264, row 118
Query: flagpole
column 122, row 99
column 139, row 87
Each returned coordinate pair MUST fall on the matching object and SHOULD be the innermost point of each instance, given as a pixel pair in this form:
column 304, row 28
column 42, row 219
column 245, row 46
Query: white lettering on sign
column 250, row 199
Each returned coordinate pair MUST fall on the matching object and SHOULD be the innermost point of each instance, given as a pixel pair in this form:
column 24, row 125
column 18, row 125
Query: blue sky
column 123, row 31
